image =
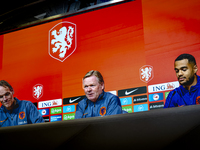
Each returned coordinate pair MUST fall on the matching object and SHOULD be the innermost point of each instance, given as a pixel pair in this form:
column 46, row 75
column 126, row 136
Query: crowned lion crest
column 146, row 73
column 62, row 40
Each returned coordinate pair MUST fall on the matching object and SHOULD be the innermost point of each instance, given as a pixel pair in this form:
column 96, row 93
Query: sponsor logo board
column 126, row 101
column 56, row 110
column 68, row 108
column 132, row 91
column 155, row 97
column 139, row 108
column 140, row 99
column 70, row 116
column 56, row 118
column 44, row 112
column 46, row 118
column 156, row 105
column 129, row 109
column 72, row 100
column 50, row 103
column 163, row 87
column 166, row 94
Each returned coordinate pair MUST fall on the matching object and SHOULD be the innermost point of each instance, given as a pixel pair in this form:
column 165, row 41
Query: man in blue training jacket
column 15, row 112
column 188, row 93
column 97, row 102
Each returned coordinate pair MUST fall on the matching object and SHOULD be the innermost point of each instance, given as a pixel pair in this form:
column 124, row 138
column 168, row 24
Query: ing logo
column 62, row 40
column 146, row 73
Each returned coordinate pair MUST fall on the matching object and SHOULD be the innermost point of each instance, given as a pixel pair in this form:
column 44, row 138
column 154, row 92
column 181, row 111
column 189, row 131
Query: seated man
column 15, row 112
column 188, row 93
column 97, row 102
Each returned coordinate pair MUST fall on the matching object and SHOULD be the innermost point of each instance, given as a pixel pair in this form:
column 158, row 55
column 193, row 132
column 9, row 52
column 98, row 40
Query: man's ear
column 103, row 87
column 195, row 68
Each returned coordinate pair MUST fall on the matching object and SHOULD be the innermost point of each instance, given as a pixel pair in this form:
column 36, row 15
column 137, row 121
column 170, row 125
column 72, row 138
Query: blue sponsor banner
column 44, row 112
column 56, row 118
column 155, row 97
column 126, row 101
column 69, row 108
column 138, row 108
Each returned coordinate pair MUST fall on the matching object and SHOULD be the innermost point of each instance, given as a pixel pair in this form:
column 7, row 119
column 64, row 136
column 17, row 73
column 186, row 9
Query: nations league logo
column 37, row 91
column 146, row 73
column 62, row 40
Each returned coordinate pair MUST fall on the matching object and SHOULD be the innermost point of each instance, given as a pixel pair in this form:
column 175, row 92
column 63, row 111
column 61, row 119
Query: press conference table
column 155, row 129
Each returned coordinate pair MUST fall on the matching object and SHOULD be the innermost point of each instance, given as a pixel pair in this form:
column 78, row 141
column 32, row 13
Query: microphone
column 85, row 109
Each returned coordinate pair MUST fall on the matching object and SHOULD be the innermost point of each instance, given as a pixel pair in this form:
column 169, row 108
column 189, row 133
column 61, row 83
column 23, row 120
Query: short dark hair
column 189, row 57
column 95, row 73
column 6, row 84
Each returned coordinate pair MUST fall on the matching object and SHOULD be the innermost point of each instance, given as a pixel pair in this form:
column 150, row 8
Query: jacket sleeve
column 34, row 114
column 3, row 119
column 170, row 101
column 114, row 106
column 79, row 112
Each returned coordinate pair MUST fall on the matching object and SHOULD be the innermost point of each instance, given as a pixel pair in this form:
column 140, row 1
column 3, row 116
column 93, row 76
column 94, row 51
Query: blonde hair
column 95, row 73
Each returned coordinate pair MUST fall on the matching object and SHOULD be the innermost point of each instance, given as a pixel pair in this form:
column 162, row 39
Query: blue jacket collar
column 193, row 88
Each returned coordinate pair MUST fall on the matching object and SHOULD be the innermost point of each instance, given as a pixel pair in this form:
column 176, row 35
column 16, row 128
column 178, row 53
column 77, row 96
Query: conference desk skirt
column 156, row 129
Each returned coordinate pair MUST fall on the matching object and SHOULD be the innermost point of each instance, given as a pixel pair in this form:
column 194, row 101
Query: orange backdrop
column 117, row 41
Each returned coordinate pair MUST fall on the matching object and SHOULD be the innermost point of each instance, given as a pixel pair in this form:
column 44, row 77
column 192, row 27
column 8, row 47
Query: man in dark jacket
column 97, row 102
column 15, row 112
column 188, row 93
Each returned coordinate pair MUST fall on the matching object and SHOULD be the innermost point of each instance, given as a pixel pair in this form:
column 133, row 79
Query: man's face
column 185, row 72
column 92, row 88
column 6, row 97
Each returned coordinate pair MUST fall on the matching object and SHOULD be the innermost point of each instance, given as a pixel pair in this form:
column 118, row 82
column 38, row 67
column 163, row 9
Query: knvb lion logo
column 146, row 73
column 22, row 115
column 37, row 91
column 102, row 111
column 198, row 100
column 62, row 40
